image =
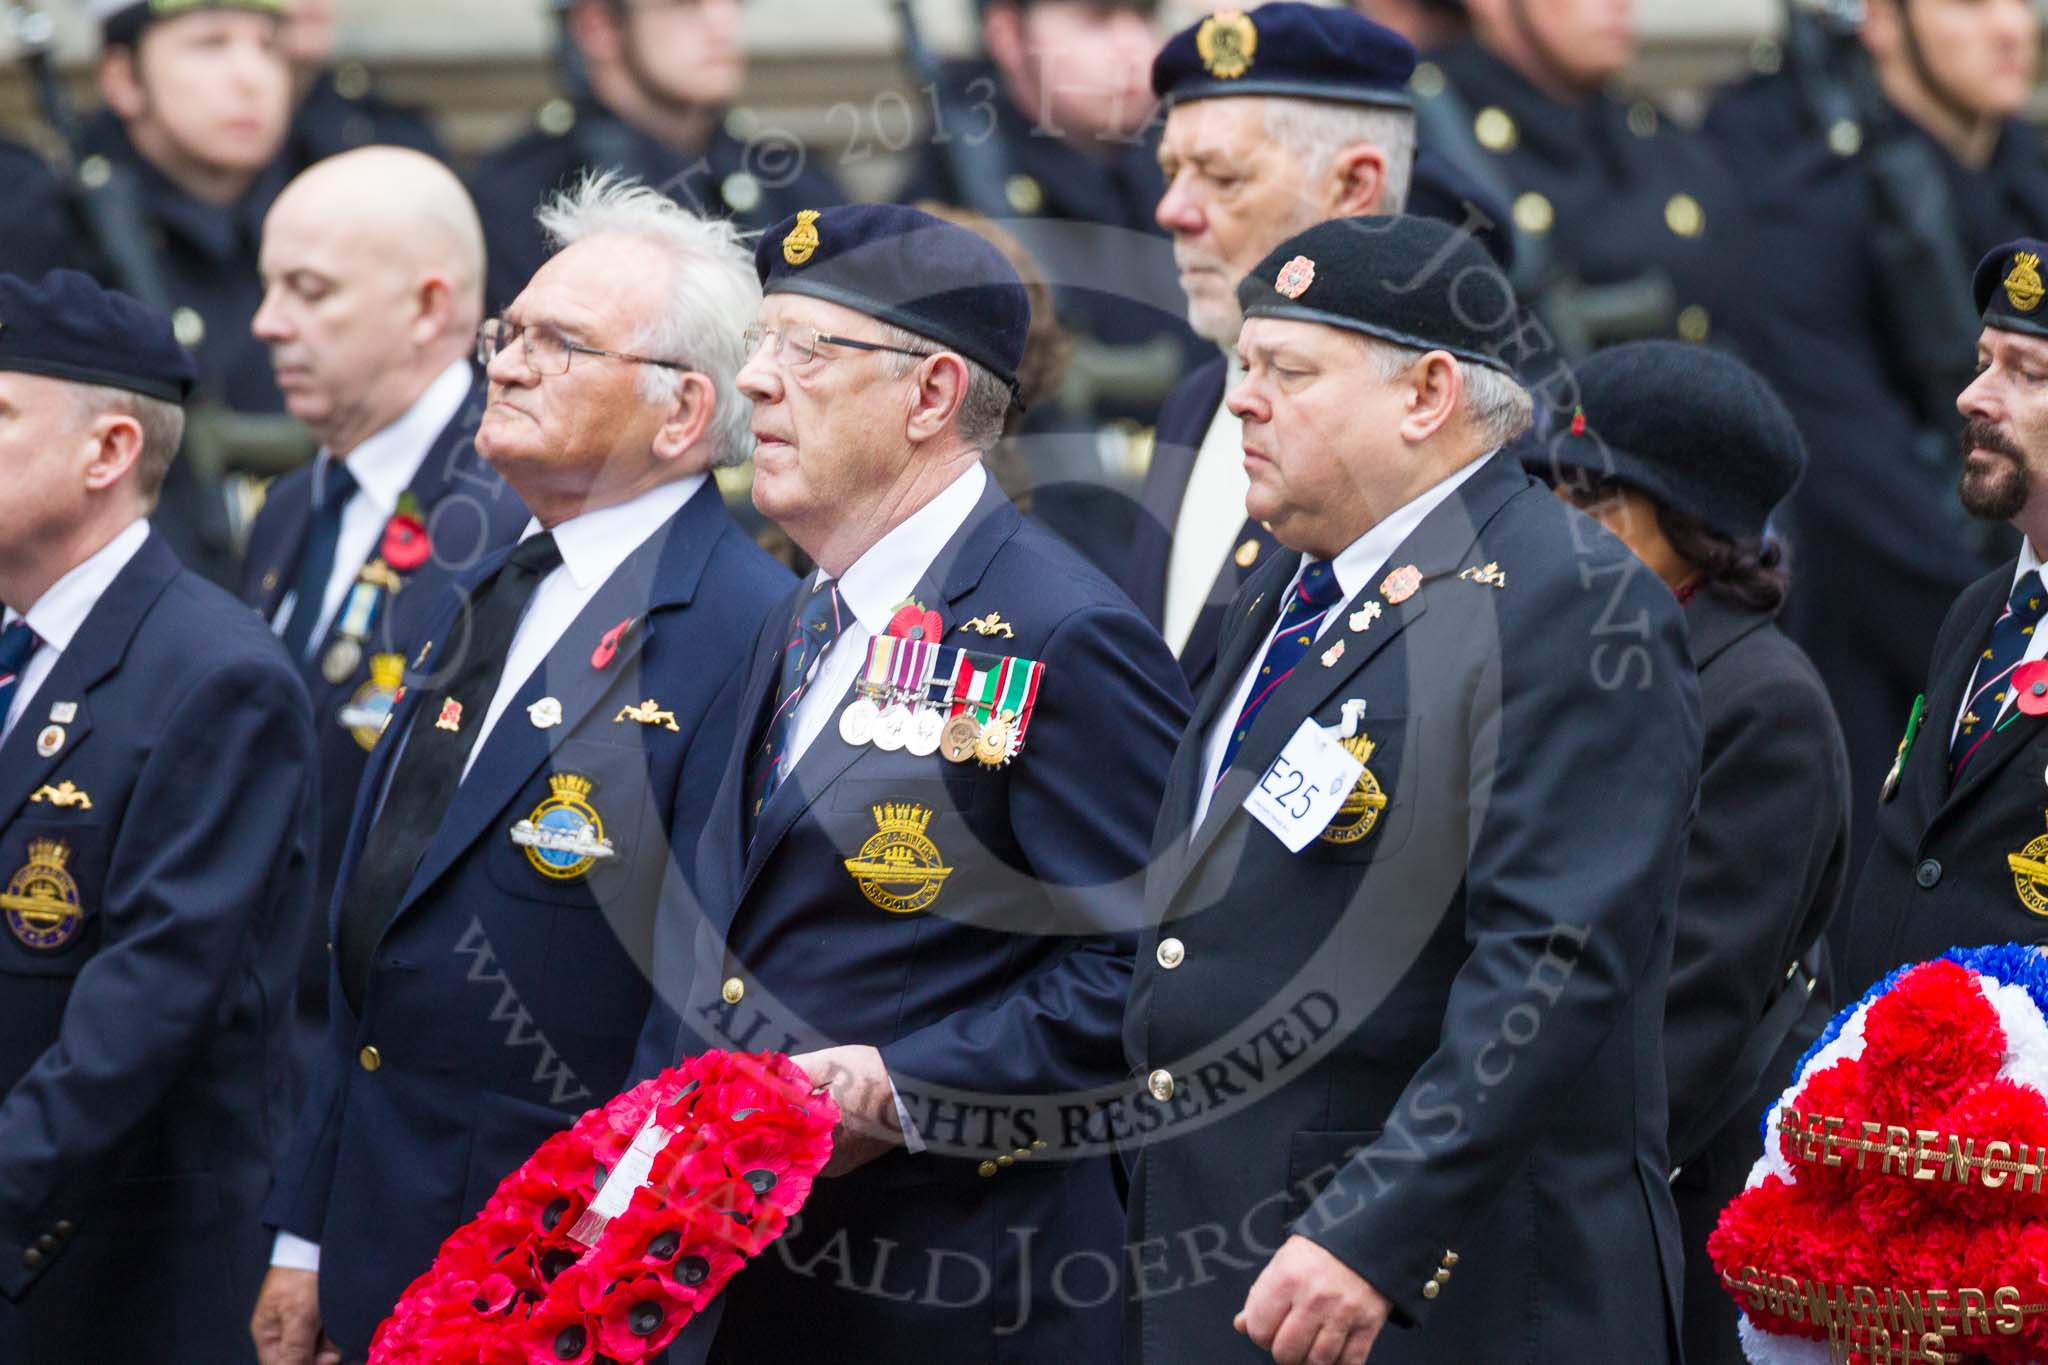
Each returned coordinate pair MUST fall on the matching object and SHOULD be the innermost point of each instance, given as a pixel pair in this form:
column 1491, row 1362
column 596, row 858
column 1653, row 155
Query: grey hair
column 983, row 407
column 711, row 294
column 1497, row 406
column 1314, row 131
column 162, row 423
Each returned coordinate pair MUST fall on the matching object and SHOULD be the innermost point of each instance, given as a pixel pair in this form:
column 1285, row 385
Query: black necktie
column 436, row 748
column 316, row 557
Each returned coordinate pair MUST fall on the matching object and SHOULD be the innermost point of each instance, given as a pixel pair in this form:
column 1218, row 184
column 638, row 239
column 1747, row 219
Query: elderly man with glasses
column 558, row 737
column 923, row 868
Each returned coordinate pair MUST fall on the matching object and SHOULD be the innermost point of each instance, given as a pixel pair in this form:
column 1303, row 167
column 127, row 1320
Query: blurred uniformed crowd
column 352, row 299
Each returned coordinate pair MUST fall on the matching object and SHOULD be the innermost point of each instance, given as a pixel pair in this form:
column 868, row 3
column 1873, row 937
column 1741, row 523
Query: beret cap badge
column 1295, row 277
column 2023, row 286
column 1226, row 41
column 802, row 239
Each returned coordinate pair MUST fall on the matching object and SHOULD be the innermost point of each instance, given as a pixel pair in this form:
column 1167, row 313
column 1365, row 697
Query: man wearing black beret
column 1960, row 853
column 156, row 844
column 1683, row 455
column 1399, row 999
column 922, row 869
column 1275, row 119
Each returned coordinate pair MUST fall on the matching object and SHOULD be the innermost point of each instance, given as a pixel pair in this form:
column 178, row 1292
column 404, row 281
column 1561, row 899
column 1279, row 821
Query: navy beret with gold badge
column 1406, row 280
column 2009, row 287
column 908, row 269
column 68, row 327
column 1286, row 48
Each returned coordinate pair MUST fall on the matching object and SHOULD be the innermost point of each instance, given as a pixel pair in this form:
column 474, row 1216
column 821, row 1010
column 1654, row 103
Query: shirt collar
column 877, row 583
column 594, row 544
column 1361, row 559
column 60, row 611
column 385, row 464
column 2029, row 562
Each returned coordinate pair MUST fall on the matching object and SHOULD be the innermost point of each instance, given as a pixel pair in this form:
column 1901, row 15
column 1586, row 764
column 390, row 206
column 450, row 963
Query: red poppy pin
column 913, row 621
column 1578, row 421
column 608, row 645
column 2030, row 686
column 406, row 545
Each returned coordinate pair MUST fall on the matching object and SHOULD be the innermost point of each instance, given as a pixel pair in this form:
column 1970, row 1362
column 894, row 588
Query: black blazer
column 1938, row 874
column 1435, row 1048
column 1766, row 865
column 144, row 1058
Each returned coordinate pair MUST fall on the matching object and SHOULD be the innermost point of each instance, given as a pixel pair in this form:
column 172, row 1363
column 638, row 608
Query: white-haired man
column 1276, row 120
column 373, row 268
column 556, row 735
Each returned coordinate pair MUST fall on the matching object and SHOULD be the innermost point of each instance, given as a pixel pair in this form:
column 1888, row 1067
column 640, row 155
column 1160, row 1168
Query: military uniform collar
column 874, row 585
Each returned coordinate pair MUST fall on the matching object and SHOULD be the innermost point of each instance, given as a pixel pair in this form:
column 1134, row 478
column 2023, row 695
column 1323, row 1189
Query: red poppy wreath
column 618, row 1231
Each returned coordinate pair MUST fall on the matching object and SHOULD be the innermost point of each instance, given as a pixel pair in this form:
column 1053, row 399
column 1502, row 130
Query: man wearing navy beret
column 1960, row 852
column 1399, row 998
column 922, row 871
column 1275, row 119
column 157, row 845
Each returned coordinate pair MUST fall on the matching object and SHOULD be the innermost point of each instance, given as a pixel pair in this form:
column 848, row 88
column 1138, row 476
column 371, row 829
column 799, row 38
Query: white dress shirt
column 872, row 587
column 2037, row 646
column 593, row 546
column 1211, row 514
column 1357, row 567
column 62, row 609
column 383, row 467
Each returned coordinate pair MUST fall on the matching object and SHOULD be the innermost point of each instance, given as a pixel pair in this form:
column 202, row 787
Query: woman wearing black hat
column 1683, row 453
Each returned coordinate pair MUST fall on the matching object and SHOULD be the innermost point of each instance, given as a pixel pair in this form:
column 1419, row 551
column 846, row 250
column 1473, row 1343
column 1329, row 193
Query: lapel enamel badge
column 545, row 714
column 1400, row 585
column 369, row 710
column 1488, row 575
column 899, row 869
column 991, row 624
column 1363, row 618
column 564, row 836
column 450, row 717
column 63, row 712
column 608, row 644
column 49, row 740
column 647, row 713
column 64, row 794
column 41, row 900
column 1332, row 654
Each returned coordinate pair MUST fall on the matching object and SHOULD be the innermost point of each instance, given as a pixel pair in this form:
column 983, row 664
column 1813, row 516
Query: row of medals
column 889, row 721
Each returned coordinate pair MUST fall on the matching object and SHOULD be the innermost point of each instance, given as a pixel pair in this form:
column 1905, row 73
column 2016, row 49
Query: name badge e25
column 1299, row 795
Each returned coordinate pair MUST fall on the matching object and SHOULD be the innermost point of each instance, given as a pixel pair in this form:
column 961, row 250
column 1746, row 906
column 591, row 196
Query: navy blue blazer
column 1001, row 995
column 1430, row 1043
column 1183, row 421
column 470, row 514
column 143, row 1054
column 504, row 1001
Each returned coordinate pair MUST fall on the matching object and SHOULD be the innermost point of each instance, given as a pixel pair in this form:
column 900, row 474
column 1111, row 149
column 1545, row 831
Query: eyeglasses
column 799, row 345
column 546, row 351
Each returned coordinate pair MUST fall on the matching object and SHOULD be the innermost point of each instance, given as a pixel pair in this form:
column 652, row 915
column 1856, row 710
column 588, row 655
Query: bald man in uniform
column 373, row 277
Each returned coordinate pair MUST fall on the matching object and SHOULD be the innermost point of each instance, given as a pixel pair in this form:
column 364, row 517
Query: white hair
column 1496, row 405
column 983, row 407
column 1315, row 131
column 162, row 423
column 712, row 292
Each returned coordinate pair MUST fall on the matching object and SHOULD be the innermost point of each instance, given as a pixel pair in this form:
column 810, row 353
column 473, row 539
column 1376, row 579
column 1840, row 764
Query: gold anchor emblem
column 802, row 239
column 647, row 713
column 65, row 793
column 2030, row 874
column 2023, row 286
column 991, row 624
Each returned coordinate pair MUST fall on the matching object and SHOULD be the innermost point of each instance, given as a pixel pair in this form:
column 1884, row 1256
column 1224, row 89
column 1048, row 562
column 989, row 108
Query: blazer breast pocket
column 902, row 838
column 575, row 834
column 52, row 880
